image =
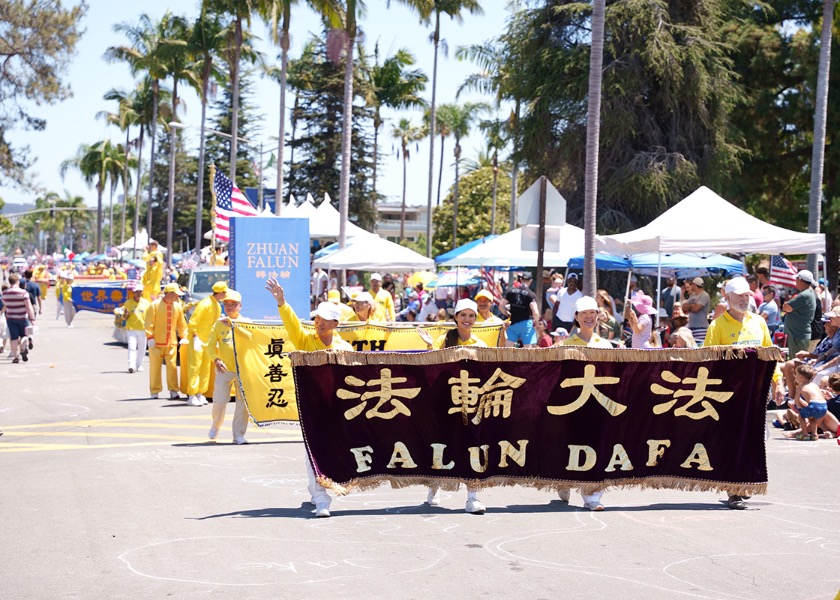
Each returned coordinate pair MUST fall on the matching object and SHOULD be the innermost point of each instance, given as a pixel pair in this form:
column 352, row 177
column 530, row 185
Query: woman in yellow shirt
column 465, row 314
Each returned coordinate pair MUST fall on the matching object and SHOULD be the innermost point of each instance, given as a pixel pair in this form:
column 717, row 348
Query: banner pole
column 213, row 214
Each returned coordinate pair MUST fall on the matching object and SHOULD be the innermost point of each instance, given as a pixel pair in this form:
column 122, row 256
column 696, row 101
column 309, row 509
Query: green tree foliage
column 316, row 148
column 668, row 93
column 475, row 200
column 5, row 225
column 37, row 40
column 186, row 174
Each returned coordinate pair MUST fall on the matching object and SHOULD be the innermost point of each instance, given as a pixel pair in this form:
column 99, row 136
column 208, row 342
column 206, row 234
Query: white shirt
column 566, row 308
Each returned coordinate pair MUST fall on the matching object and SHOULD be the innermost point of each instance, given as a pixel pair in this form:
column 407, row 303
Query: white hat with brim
column 806, row 276
column 585, row 303
column 363, row 297
column 328, row 311
column 172, row 287
column 465, row 304
column 737, row 285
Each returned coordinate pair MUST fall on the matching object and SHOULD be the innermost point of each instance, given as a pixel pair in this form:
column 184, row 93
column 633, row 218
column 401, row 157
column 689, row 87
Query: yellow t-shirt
column 491, row 319
column 135, row 314
column 385, row 305
column 729, row 331
column 204, row 317
column 220, row 342
column 472, row 341
column 307, row 342
column 596, row 342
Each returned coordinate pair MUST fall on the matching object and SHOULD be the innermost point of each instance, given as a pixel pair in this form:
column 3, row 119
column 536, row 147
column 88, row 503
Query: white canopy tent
column 324, row 221
column 506, row 250
column 373, row 253
column 142, row 241
column 705, row 223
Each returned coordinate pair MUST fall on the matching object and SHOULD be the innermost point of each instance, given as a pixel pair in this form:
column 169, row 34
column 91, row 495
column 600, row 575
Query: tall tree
column 818, row 154
column 593, row 128
column 123, row 118
column 443, row 123
column 393, row 85
column 150, row 44
column 427, row 9
column 406, row 133
column 207, row 44
column 463, row 118
column 38, row 41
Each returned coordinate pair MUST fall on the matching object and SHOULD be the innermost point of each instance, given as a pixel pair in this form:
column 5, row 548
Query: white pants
column 136, row 348
column 69, row 312
column 221, row 397
column 319, row 495
column 59, row 309
column 825, row 373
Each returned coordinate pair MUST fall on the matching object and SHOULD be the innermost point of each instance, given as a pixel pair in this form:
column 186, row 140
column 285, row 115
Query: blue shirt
column 772, row 310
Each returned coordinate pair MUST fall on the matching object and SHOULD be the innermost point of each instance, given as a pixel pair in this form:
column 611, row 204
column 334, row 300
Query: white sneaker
column 202, row 399
column 596, row 506
column 565, row 495
column 140, row 369
column 433, row 497
column 321, row 511
column 240, row 441
column 154, row 396
column 193, row 401
column 174, row 395
column 214, row 431
column 474, row 507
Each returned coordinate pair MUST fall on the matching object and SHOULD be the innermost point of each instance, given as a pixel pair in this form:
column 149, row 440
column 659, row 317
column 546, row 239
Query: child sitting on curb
column 809, row 403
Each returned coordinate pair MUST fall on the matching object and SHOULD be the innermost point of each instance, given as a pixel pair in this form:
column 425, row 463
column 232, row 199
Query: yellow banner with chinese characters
column 265, row 375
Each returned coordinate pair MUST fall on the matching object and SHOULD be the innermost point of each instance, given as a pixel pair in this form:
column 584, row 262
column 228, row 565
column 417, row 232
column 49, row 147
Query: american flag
column 490, row 284
column 782, row 272
column 189, row 262
column 230, row 202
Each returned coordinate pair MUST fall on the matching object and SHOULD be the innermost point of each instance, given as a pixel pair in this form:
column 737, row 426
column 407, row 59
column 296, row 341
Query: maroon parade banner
column 554, row 418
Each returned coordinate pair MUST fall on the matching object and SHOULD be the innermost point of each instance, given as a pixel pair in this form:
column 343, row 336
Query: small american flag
column 230, row 202
column 782, row 272
column 190, row 262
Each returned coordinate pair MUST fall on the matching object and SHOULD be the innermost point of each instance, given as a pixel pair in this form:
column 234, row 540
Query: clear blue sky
column 73, row 122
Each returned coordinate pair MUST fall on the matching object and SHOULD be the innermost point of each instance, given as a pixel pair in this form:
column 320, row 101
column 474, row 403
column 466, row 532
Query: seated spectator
column 608, row 327
column 809, row 403
column 769, row 309
column 682, row 338
column 825, row 358
column 558, row 336
column 543, row 339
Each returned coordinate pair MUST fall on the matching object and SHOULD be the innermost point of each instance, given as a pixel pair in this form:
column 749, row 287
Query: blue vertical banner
column 263, row 247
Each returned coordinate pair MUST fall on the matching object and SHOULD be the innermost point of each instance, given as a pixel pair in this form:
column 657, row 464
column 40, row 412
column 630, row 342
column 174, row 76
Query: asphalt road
column 109, row 494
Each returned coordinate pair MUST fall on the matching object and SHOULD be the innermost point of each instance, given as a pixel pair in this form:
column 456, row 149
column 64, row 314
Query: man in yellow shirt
column 385, row 302
column 134, row 314
column 324, row 338
column 165, row 324
column 202, row 321
column 220, row 348
column 737, row 326
column 364, row 309
column 346, row 312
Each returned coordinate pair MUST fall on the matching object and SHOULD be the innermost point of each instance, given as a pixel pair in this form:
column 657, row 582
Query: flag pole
column 213, row 213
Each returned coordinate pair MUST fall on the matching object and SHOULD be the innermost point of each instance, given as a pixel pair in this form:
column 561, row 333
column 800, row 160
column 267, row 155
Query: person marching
column 220, row 349
column 134, row 313
column 484, row 302
column 164, row 325
column 202, row 321
column 466, row 311
column 586, row 320
column 19, row 314
column 327, row 315
column 67, row 298
column 154, row 271
column 737, row 326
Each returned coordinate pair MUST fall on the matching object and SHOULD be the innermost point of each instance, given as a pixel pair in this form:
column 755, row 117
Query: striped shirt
column 18, row 305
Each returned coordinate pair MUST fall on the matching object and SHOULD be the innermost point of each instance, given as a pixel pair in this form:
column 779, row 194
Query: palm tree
column 425, row 9
column 180, row 66
column 352, row 9
column 393, row 85
column 207, row 43
column 147, row 53
column 406, row 133
column 93, row 162
column 593, row 128
column 271, row 11
column 443, row 124
column 116, row 167
column 494, row 132
column 818, row 150
column 463, row 118
column 124, row 118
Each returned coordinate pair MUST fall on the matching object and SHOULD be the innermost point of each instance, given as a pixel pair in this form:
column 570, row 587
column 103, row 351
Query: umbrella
column 423, row 277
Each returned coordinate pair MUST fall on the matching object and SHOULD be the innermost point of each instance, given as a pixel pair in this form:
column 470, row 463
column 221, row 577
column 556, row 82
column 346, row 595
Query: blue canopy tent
column 461, row 249
column 672, row 265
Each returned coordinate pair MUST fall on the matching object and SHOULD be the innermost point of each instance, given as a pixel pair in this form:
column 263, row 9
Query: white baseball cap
column 465, row 304
column 328, row 311
column 806, row 276
column 376, row 276
column 585, row 303
column 737, row 285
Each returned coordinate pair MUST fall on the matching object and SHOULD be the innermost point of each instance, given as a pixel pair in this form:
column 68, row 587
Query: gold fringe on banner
column 548, row 485
column 448, row 355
